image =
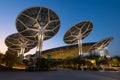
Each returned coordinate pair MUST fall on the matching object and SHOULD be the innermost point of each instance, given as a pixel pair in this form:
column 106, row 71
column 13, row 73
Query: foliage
column 115, row 61
column 11, row 59
column 92, row 56
column 42, row 64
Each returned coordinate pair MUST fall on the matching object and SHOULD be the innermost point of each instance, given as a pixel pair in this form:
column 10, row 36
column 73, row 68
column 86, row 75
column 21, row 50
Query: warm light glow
column 93, row 61
column 3, row 47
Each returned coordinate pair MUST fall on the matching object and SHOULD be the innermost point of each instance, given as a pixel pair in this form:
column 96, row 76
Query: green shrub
column 42, row 64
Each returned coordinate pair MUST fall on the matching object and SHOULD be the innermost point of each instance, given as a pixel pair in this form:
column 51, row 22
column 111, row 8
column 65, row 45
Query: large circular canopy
column 101, row 44
column 15, row 42
column 82, row 28
column 37, row 20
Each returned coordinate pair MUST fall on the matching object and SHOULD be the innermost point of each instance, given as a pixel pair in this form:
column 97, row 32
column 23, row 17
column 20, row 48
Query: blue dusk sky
column 104, row 14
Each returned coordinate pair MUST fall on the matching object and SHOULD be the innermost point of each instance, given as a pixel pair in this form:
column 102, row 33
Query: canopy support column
column 80, row 44
column 107, row 52
column 101, row 53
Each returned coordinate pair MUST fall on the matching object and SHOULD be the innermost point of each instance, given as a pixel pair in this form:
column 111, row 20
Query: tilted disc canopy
column 101, row 44
column 82, row 28
column 16, row 42
column 78, row 32
column 37, row 20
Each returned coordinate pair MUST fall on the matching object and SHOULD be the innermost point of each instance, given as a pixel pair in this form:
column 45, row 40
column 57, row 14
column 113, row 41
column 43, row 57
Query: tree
column 10, row 59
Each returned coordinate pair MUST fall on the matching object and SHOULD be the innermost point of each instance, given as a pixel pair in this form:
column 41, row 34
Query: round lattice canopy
column 11, row 51
column 82, row 28
column 15, row 42
column 101, row 44
column 37, row 20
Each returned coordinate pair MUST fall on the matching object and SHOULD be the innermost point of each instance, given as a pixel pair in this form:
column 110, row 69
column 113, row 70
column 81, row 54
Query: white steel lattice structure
column 38, row 24
column 17, row 44
column 103, row 44
column 78, row 32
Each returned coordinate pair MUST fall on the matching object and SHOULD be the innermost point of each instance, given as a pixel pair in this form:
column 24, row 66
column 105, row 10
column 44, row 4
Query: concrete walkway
column 64, row 74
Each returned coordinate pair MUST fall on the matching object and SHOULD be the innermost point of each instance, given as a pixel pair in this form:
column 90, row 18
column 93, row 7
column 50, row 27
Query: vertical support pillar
column 101, row 53
column 80, row 44
column 107, row 52
column 39, row 45
column 21, row 55
column 40, row 41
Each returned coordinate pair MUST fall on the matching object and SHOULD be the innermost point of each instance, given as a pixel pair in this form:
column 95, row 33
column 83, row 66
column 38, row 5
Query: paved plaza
column 60, row 75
